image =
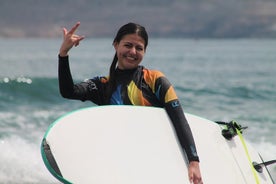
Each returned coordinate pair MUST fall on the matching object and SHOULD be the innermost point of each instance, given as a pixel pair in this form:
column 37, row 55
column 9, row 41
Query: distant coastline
column 162, row 18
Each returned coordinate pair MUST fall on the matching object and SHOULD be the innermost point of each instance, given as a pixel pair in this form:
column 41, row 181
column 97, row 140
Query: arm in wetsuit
column 182, row 129
column 88, row 90
column 168, row 97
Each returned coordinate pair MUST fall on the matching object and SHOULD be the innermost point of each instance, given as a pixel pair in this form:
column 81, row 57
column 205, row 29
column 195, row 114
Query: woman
column 129, row 83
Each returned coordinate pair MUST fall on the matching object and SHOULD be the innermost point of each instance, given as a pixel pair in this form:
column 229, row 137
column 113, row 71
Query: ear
column 115, row 45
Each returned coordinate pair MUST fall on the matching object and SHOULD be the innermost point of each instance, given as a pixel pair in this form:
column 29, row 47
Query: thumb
column 64, row 31
column 191, row 178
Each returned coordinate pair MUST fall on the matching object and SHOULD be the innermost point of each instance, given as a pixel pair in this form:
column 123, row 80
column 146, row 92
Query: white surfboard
column 134, row 145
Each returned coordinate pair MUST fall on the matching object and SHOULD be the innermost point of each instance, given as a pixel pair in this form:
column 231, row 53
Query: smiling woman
column 129, row 83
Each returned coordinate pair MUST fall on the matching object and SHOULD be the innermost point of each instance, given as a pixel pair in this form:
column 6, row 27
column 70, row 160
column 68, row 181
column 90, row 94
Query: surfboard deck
column 134, row 144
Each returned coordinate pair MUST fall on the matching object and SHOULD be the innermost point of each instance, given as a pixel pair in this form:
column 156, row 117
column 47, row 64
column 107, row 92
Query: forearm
column 182, row 129
column 66, row 85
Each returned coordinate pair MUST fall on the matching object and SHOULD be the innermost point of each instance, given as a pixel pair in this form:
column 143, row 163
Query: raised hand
column 70, row 39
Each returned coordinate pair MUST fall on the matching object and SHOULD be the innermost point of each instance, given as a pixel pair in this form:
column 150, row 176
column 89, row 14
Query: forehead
column 134, row 39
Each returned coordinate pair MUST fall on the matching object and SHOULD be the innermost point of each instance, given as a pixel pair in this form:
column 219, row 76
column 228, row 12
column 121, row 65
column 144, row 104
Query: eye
column 128, row 45
column 139, row 48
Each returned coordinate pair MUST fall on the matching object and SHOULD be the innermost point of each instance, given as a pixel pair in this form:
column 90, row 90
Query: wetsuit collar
column 120, row 71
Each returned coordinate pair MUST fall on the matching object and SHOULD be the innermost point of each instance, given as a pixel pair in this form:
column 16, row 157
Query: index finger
column 74, row 28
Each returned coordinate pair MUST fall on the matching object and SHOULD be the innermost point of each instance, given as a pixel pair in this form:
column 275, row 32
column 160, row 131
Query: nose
column 132, row 50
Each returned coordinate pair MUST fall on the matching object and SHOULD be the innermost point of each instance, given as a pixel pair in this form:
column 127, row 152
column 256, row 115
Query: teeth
column 130, row 58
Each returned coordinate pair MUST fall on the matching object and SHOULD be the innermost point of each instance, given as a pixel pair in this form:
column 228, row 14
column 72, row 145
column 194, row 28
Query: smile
column 133, row 58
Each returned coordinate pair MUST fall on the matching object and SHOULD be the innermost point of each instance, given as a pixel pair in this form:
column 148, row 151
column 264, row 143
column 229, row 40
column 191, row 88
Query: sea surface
column 218, row 79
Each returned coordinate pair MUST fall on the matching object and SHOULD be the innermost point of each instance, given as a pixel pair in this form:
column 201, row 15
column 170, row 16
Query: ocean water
column 216, row 79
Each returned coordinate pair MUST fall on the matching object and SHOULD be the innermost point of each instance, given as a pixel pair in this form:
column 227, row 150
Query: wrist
column 194, row 159
column 194, row 163
column 63, row 58
column 63, row 54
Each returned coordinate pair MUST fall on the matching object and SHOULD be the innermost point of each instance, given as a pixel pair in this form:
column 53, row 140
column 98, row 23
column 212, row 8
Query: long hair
column 126, row 29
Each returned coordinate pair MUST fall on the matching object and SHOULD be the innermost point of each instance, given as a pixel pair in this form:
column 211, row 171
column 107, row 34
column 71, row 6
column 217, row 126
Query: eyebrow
column 129, row 42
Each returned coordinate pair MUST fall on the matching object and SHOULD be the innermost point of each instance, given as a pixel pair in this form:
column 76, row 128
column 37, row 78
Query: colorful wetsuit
column 138, row 86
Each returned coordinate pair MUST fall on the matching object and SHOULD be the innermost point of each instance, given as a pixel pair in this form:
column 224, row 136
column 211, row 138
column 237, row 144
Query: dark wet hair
column 130, row 28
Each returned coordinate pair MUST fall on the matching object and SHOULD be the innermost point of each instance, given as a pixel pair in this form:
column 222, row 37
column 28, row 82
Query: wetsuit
column 138, row 86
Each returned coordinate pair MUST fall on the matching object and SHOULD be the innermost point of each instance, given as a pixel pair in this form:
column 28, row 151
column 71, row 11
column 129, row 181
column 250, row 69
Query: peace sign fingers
column 74, row 28
column 70, row 39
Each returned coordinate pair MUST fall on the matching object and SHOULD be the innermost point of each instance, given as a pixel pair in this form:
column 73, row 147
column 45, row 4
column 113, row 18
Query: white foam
column 21, row 162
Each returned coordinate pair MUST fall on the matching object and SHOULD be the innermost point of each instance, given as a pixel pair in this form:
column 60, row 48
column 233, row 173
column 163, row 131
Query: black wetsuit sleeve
column 177, row 116
column 64, row 77
column 182, row 129
column 88, row 90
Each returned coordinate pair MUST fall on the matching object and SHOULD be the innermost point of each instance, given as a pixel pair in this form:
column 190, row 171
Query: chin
column 128, row 66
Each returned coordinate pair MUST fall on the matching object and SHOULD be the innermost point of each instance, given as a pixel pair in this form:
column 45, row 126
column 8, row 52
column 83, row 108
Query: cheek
column 120, row 55
column 120, row 51
column 141, row 55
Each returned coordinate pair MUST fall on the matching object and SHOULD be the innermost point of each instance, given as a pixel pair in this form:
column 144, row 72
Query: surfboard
column 135, row 144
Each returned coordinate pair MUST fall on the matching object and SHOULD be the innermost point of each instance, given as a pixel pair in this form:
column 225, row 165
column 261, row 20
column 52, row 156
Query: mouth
column 131, row 58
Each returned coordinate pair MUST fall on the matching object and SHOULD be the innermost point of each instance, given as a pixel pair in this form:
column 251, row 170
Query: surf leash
column 248, row 156
column 232, row 129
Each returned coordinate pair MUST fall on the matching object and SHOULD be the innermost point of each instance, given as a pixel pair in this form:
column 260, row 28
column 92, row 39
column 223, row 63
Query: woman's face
column 130, row 51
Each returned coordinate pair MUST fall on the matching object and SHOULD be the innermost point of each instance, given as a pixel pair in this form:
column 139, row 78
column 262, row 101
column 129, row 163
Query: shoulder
column 152, row 74
column 155, row 78
column 98, row 79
